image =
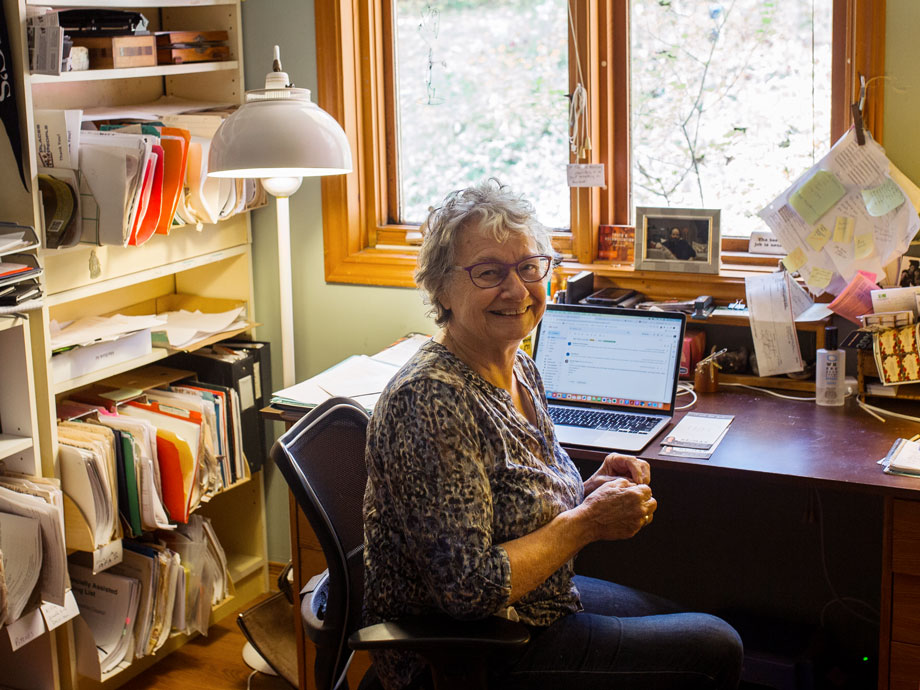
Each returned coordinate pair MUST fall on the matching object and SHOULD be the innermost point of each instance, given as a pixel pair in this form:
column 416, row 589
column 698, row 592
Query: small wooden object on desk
column 706, row 374
column 116, row 52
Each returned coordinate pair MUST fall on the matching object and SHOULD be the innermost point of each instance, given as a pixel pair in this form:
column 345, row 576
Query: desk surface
column 791, row 440
column 785, row 440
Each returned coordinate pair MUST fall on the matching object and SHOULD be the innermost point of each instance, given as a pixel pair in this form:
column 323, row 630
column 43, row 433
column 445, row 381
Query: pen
column 713, row 356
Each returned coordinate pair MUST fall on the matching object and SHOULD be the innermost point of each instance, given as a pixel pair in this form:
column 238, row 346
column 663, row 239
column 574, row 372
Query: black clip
column 857, row 109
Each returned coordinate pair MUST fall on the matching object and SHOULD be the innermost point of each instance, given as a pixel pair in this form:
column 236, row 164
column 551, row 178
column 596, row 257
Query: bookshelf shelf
column 135, row 72
column 11, row 445
column 157, row 354
column 242, row 565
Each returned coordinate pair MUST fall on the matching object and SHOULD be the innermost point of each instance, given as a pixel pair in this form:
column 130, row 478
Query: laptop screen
column 610, row 357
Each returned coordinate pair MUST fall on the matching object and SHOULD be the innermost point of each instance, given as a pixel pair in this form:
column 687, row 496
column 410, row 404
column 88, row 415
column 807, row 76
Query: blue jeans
column 626, row 640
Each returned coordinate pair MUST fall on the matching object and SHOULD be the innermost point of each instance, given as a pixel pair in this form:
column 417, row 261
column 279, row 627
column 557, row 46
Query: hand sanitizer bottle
column 830, row 386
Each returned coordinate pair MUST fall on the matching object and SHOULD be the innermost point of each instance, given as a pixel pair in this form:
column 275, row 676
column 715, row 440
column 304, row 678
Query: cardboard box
column 691, row 352
column 85, row 360
column 116, row 52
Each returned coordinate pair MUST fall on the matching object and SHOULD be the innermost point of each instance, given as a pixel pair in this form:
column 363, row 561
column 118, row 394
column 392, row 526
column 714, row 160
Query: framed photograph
column 682, row 240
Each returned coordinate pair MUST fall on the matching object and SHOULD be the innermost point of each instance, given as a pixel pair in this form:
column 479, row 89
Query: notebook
column 610, row 374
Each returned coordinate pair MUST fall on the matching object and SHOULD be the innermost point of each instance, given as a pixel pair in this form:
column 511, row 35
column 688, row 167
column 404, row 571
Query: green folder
column 134, row 504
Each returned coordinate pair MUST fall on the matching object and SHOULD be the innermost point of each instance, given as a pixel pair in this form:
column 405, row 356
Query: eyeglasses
column 489, row 274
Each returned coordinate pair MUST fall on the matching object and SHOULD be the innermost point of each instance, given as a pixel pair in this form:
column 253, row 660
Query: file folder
column 240, row 376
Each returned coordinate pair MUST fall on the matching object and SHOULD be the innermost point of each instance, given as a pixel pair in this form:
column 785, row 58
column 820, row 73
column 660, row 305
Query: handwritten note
column 585, row 175
column 865, row 245
column 819, row 237
column 843, row 229
column 819, row 278
column 882, row 199
column 795, row 260
column 817, row 196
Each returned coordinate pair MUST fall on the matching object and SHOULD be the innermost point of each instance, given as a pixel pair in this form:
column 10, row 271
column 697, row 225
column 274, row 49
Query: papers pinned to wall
column 844, row 215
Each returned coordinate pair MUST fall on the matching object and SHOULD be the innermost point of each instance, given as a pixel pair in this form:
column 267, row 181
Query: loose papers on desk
column 903, row 458
column 845, row 214
column 360, row 377
column 773, row 302
column 697, row 435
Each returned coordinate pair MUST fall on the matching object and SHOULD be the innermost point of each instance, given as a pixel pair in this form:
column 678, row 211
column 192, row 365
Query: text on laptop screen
column 609, row 359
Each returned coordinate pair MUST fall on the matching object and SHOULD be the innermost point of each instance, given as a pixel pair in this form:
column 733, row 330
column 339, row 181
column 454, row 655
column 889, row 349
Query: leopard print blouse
column 454, row 470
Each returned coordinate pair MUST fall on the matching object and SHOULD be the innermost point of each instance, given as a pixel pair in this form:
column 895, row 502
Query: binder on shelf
column 236, row 370
column 262, row 375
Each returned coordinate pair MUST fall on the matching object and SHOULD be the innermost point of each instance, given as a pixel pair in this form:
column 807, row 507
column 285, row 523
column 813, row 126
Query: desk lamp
column 280, row 137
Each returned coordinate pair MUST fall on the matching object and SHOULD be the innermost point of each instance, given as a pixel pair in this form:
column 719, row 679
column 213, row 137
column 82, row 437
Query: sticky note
column 865, row 245
column 843, row 229
column 795, row 260
column 819, row 237
column 817, row 196
column 882, row 199
column 819, row 278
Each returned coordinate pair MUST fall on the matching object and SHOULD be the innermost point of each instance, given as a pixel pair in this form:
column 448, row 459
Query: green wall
column 334, row 321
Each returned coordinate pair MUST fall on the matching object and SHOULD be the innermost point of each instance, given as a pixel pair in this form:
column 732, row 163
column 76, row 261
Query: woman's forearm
column 536, row 556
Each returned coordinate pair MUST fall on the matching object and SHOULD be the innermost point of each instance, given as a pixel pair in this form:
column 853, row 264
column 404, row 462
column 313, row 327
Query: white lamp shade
column 279, row 138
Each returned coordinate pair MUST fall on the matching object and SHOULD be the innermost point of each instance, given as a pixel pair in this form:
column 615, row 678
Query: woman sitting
column 474, row 509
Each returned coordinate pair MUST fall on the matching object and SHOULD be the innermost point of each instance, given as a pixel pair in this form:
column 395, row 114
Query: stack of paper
column 39, row 499
column 903, row 458
column 185, row 327
column 20, row 563
column 360, row 377
column 697, row 435
column 108, row 603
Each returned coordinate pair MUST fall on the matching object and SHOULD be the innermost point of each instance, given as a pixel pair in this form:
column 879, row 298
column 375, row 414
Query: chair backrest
column 322, row 459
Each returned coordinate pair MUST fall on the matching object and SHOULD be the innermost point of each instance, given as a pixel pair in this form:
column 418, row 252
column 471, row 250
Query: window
column 382, row 76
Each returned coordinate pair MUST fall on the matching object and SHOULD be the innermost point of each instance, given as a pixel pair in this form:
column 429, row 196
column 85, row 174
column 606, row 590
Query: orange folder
column 175, row 143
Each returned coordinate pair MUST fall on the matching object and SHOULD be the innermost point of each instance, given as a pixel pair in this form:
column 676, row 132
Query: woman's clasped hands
column 618, row 501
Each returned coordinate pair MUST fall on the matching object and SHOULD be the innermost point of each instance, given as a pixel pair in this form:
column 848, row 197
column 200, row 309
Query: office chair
column 322, row 459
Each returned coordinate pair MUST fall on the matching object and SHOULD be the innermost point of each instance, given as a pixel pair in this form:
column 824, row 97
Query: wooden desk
column 787, row 445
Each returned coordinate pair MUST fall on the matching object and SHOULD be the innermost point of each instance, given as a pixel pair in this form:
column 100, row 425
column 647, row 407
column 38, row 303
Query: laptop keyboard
column 599, row 419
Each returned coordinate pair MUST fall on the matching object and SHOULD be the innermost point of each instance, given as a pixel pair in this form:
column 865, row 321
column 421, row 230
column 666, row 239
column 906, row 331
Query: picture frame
column 680, row 240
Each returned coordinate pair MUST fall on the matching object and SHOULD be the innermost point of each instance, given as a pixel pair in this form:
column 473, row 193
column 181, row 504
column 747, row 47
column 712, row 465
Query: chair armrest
column 437, row 633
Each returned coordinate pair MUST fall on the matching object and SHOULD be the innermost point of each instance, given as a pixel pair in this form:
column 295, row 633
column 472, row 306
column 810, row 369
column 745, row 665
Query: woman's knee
column 718, row 643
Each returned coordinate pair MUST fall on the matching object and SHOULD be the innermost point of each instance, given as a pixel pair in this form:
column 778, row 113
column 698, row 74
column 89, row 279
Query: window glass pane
column 481, row 88
column 731, row 102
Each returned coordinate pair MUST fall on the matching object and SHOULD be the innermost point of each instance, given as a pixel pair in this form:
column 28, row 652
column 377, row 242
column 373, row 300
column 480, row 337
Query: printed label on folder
column 819, row 237
column 795, row 260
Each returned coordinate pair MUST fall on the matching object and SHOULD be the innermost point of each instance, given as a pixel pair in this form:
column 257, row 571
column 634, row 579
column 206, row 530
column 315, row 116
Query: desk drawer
column 905, row 609
column 905, row 666
column 905, row 551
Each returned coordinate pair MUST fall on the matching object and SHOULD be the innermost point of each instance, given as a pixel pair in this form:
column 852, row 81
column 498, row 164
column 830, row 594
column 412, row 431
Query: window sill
column 393, row 266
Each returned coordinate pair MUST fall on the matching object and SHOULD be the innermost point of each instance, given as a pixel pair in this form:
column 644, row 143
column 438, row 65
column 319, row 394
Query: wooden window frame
column 354, row 51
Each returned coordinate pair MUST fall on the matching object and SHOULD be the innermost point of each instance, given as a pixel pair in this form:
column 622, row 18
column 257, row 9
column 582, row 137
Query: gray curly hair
column 489, row 206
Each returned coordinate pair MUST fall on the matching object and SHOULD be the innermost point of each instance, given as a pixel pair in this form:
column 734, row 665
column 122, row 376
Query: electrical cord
column 683, row 389
column 769, row 392
column 878, row 411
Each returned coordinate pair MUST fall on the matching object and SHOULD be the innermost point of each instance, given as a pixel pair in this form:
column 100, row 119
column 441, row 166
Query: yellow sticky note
column 795, row 260
column 819, row 237
column 817, row 196
column 819, row 278
column 843, row 229
column 865, row 245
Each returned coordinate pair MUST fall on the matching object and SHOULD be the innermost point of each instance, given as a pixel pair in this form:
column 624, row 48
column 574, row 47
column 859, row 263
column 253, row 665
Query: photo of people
column 677, row 239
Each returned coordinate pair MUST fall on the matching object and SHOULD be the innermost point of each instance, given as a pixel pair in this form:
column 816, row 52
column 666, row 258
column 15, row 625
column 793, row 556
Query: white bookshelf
column 136, row 72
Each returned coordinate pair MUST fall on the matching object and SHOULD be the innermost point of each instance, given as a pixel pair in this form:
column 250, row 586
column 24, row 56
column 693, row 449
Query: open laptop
column 610, row 374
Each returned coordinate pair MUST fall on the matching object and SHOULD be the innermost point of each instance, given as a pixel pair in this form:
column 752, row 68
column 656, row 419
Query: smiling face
column 497, row 317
